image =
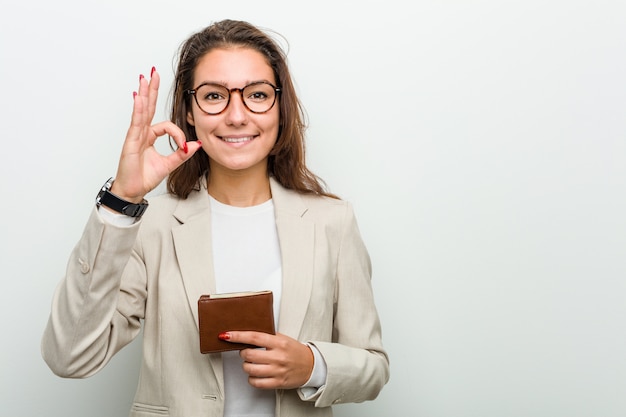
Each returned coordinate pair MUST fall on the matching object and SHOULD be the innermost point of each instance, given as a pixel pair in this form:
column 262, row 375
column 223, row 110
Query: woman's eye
column 258, row 96
column 213, row 96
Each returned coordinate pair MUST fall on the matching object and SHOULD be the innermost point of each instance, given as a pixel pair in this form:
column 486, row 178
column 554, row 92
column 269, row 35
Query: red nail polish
column 185, row 148
column 152, row 71
column 140, row 77
column 199, row 143
column 134, row 94
column 223, row 336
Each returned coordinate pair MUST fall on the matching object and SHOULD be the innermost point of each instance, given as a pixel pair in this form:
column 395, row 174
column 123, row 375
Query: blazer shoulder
column 323, row 204
column 328, row 211
column 313, row 207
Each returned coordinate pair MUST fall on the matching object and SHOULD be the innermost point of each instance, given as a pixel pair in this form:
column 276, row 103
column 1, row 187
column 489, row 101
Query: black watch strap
column 107, row 198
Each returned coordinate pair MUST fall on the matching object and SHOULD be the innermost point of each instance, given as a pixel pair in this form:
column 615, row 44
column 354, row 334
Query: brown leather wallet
column 219, row 313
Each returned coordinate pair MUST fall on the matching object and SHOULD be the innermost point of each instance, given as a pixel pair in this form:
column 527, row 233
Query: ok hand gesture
column 141, row 167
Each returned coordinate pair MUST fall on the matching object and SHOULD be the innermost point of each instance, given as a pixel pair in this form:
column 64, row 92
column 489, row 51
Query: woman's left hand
column 284, row 363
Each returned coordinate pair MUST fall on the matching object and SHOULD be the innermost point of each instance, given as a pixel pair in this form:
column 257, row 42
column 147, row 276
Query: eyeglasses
column 258, row 97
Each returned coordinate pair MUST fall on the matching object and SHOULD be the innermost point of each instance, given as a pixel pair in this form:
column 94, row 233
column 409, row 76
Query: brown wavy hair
column 286, row 162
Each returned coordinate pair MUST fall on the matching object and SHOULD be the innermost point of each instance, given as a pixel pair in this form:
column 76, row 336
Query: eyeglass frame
column 193, row 92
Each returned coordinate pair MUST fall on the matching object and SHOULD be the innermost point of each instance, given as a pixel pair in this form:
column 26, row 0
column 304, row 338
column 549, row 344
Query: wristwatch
column 106, row 198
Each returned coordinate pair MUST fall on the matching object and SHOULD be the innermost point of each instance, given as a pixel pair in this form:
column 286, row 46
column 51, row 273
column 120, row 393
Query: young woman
column 242, row 213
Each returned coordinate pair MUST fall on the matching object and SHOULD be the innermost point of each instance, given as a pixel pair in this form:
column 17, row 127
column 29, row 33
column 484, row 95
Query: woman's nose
column 236, row 113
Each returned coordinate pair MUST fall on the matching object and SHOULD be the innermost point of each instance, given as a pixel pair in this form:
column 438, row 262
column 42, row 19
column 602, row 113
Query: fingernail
column 224, row 336
column 152, row 72
column 199, row 143
column 185, row 148
column 140, row 77
column 134, row 94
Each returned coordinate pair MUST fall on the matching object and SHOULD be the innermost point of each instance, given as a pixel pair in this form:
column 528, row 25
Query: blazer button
column 84, row 266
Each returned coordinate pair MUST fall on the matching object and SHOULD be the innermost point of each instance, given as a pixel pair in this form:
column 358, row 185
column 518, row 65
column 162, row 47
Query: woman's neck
column 239, row 190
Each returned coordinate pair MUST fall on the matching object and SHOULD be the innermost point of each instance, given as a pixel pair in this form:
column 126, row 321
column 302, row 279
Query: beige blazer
column 155, row 271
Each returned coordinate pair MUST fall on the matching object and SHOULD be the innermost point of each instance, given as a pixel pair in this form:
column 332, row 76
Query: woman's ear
column 190, row 118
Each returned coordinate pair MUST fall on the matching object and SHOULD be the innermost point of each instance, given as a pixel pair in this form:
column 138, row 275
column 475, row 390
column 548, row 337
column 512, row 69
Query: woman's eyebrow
column 225, row 83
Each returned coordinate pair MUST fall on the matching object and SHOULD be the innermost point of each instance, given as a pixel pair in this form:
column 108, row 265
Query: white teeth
column 237, row 140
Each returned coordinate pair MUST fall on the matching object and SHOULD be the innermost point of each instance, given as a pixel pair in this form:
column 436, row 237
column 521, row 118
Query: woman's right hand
column 141, row 167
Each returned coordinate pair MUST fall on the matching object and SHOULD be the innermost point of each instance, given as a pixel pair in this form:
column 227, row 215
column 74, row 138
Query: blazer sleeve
column 357, row 364
column 93, row 315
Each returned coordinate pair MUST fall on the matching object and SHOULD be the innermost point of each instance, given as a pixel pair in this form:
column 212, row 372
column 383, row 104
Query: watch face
column 99, row 196
column 105, row 187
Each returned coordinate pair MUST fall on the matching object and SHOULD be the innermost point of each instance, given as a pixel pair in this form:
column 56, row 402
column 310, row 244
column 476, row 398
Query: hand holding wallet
column 218, row 313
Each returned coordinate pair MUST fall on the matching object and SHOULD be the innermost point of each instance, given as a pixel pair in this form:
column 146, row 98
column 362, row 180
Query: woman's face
column 236, row 139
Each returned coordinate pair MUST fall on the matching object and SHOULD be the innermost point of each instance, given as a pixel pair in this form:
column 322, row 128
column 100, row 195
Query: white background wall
column 482, row 144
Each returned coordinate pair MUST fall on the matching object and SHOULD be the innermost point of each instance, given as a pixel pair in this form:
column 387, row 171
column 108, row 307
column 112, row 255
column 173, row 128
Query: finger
column 182, row 144
column 255, row 355
column 264, row 383
column 153, row 92
column 256, row 370
column 176, row 133
column 183, row 153
column 144, row 118
column 137, row 120
column 177, row 158
column 166, row 128
column 140, row 104
column 144, row 106
column 253, row 338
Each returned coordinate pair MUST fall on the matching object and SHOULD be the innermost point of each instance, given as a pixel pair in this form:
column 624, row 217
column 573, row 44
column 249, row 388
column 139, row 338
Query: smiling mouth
column 237, row 140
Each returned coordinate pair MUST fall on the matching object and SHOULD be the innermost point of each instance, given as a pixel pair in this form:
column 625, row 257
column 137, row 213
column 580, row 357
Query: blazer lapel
column 192, row 244
column 297, row 238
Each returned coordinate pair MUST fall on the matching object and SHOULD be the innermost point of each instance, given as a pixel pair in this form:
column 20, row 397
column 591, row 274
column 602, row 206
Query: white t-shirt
column 246, row 257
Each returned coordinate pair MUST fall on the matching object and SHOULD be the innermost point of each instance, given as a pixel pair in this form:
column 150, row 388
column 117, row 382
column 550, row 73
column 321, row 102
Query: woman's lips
column 237, row 139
